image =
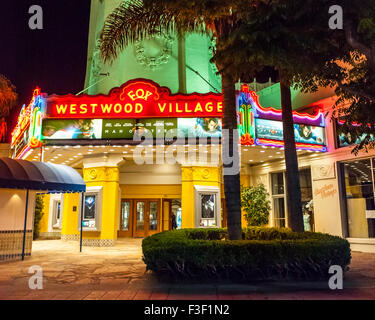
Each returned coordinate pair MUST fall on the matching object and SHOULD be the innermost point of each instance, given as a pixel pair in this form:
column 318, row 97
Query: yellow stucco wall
column 43, row 223
column 70, row 217
column 151, row 191
column 108, row 178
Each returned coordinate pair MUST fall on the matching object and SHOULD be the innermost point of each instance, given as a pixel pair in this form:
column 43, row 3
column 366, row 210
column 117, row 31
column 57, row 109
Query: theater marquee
column 139, row 98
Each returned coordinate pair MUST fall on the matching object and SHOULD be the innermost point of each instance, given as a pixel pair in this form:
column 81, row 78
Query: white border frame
column 98, row 192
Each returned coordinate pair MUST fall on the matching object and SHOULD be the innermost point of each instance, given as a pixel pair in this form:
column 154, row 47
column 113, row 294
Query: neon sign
column 139, row 98
column 27, row 133
column 263, row 126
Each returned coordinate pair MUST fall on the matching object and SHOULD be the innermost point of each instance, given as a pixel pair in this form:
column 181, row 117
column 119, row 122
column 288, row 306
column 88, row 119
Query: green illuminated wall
column 132, row 63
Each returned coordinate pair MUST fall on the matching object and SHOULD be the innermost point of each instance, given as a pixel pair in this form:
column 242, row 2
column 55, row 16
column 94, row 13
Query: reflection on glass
column 140, row 223
column 208, row 206
column 90, row 204
column 58, row 210
column 176, row 210
column 277, row 183
column 307, row 199
column 279, row 212
column 360, row 198
column 153, row 215
column 125, row 214
column 56, row 214
column 208, row 210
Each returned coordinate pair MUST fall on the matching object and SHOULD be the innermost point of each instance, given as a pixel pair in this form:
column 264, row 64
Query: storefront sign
column 27, row 133
column 263, row 126
column 139, row 98
column 270, row 129
column 346, row 139
column 326, row 191
column 73, row 129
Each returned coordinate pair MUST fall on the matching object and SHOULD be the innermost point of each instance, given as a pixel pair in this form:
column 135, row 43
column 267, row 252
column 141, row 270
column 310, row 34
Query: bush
column 255, row 203
column 38, row 214
column 265, row 253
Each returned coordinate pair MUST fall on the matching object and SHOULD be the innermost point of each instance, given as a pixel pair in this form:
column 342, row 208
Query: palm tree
column 138, row 20
column 295, row 217
column 8, row 96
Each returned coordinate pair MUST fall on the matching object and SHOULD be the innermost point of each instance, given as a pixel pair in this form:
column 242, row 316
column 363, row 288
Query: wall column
column 108, row 179
column 102, row 176
column 193, row 175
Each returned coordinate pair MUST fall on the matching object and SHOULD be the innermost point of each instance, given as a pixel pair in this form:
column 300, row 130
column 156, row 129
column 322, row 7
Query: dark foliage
column 264, row 254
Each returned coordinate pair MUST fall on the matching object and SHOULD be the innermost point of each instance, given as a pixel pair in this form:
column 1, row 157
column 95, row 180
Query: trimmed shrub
column 264, row 254
column 255, row 204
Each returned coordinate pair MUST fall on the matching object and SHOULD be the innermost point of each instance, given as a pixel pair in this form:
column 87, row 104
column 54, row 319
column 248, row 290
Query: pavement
column 118, row 273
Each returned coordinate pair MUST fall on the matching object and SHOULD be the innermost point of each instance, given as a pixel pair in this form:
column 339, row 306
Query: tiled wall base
column 49, row 235
column 89, row 242
column 11, row 244
column 69, row 237
column 98, row 242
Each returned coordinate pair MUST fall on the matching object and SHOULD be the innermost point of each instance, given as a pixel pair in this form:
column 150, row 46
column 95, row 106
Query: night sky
column 53, row 58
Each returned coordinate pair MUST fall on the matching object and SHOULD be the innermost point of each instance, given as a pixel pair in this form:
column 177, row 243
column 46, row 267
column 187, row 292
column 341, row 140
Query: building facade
column 170, row 83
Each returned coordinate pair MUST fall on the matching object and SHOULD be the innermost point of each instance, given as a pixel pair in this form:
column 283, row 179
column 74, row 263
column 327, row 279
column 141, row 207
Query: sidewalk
column 119, row 273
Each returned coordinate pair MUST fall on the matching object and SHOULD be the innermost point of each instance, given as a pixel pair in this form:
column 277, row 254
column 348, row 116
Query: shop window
column 56, row 223
column 358, row 177
column 278, row 199
column 307, row 199
column 92, row 209
column 153, row 216
column 140, row 213
column 207, row 206
column 55, row 212
column 176, row 211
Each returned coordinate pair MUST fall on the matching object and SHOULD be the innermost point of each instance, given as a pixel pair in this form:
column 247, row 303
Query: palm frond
column 8, row 96
column 133, row 21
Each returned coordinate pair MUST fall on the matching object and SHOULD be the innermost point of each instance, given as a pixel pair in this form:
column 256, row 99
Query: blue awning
column 22, row 174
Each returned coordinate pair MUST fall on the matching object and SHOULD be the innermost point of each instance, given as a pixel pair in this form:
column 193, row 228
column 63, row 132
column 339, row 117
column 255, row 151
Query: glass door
column 140, row 217
column 146, row 217
column 126, row 219
column 153, row 217
column 278, row 200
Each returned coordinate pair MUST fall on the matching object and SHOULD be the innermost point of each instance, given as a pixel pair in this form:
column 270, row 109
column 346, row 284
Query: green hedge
column 265, row 253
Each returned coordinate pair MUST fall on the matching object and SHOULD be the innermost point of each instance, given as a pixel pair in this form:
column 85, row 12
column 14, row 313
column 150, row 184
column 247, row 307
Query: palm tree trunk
column 295, row 217
column 231, row 180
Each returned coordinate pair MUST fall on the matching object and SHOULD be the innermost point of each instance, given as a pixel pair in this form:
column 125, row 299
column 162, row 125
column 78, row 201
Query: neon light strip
column 267, row 113
column 299, row 145
column 23, row 152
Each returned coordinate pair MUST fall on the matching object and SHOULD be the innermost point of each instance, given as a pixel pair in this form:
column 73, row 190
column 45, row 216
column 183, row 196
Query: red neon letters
column 139, row 98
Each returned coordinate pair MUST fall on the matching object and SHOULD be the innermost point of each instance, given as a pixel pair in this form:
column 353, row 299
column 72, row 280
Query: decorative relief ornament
column 154, row 52
column 187, row 173
column 96, row 63
column 211, row 52
column 205, row 173
column 112, row 174
column 323, row 171
column 92, row 174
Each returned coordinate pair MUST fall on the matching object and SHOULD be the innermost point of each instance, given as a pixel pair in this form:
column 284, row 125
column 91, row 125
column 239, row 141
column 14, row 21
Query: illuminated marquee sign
column 78, row 129
column 141, row 105
column 263, row 126
column 27, row 133
column 139, row 98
